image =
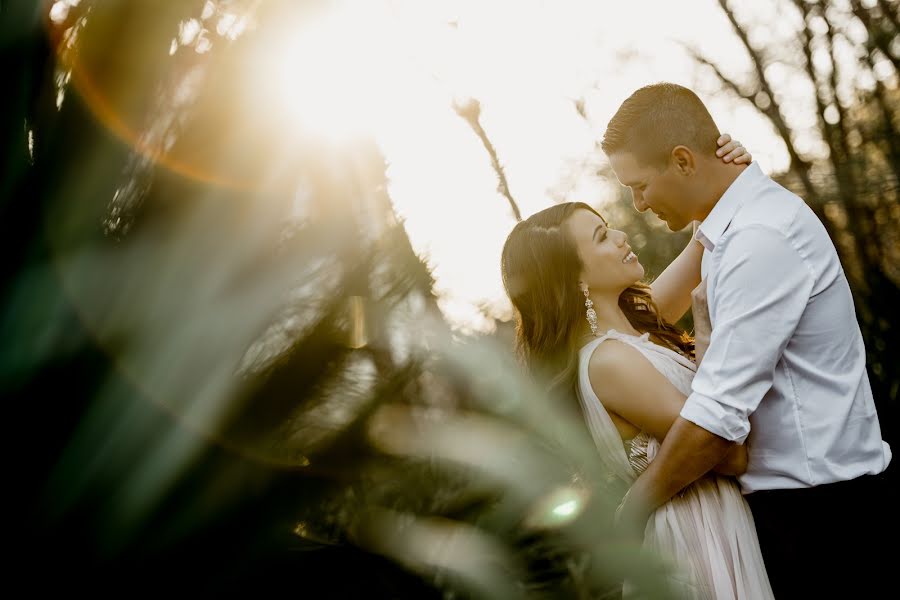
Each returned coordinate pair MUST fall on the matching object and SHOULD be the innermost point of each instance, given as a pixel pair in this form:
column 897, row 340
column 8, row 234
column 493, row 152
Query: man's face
column 661, row 190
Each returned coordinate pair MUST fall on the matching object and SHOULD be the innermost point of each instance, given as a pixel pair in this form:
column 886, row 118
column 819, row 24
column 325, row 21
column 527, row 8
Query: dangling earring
column 591, row 313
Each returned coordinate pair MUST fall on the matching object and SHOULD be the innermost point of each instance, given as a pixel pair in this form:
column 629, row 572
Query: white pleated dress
column 707, row 530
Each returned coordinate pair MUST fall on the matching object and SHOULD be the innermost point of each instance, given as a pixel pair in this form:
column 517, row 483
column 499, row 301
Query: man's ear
column 683, row 160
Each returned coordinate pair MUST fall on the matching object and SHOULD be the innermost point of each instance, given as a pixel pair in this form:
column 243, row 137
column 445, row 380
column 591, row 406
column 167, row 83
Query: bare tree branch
column 773, row 110
column 883, row 134
column 471, row 112
column 860, row 221
column 842, row 122
column 890, row 134
column 890, row 10
column 878, row 36
column 828, row 130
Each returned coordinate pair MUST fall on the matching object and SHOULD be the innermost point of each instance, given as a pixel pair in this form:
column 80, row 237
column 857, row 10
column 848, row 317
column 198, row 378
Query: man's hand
column 702, row 325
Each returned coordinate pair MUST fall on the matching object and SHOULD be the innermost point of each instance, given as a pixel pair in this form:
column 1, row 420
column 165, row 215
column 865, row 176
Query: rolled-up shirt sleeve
column 757, row 296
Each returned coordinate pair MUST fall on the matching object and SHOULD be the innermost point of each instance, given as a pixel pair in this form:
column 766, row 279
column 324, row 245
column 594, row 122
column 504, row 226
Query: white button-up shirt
column 786, row 365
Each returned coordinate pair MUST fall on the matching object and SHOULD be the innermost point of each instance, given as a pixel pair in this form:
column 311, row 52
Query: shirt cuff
column 717, row 418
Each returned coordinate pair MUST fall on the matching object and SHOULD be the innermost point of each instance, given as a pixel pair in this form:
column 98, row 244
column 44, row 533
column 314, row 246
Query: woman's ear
column 683, row 159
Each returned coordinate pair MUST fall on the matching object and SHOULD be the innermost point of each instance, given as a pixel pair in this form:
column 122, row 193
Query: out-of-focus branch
column 773, row 110
column 758, row 65
column 890, row 10
column 835, row 135
column 878, row 36
column 890, row 133
column 470, row 111
column 862, row 219
column 828, row 130
column 833, row 79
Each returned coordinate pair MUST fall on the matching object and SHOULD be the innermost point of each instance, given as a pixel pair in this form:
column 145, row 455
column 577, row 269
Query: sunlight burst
column 338, row 75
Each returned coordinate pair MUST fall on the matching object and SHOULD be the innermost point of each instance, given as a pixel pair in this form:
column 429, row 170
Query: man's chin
column 675, row 226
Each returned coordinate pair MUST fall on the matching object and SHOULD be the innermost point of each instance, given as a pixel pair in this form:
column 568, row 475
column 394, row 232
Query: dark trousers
column 831, row 541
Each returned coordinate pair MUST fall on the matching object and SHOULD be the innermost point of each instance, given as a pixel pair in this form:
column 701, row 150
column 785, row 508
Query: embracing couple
column 753, row 453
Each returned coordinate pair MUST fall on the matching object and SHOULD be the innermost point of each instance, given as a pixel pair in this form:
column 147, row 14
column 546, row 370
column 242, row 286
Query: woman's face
column 609, row 264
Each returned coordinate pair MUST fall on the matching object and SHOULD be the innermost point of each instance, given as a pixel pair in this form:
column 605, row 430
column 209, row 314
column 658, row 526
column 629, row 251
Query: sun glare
column 338, row 75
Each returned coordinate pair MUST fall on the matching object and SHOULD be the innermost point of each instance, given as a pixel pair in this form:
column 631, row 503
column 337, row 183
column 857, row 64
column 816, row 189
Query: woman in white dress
column 587, row 322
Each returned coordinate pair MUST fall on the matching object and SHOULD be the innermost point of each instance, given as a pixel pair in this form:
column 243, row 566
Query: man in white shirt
column 785, row 369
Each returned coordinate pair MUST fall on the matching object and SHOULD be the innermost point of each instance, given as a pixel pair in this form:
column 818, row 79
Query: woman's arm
column 632, row 389
column 672, row 289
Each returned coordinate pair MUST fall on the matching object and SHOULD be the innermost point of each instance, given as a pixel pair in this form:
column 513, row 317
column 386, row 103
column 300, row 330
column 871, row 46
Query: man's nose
column 638, row 199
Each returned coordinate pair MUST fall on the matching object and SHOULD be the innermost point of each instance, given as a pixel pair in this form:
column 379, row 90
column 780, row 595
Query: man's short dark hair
column 655, row 119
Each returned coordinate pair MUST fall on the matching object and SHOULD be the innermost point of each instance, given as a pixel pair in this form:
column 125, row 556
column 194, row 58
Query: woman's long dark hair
column 541, row 268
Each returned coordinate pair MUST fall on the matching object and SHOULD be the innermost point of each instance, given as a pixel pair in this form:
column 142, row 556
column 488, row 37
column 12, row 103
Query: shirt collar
column 713, row 227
